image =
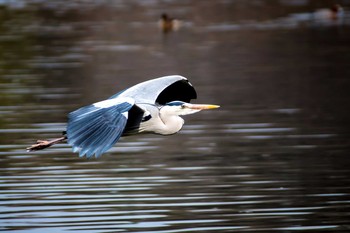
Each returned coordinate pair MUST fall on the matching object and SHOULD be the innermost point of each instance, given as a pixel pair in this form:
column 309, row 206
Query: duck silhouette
column 168, row 24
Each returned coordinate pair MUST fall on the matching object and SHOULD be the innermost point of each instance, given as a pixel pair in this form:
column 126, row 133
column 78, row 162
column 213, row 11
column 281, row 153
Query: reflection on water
column 273, row 158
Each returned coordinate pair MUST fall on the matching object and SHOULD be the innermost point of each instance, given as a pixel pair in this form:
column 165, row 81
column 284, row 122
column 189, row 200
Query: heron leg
column 42, row 144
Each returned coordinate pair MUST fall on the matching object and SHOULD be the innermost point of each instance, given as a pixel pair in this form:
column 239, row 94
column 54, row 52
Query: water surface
column 273, row 158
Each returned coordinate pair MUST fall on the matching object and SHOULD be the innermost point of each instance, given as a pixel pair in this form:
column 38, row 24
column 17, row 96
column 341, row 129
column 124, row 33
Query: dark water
column 273, row 158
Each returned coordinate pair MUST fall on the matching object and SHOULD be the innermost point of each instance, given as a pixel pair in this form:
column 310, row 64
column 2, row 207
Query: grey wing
column 161, row 90
column 94, row 129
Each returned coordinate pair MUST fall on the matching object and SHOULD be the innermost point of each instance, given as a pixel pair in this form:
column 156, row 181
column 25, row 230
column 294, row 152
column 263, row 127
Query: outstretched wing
column 161, row 90
column 96, row 128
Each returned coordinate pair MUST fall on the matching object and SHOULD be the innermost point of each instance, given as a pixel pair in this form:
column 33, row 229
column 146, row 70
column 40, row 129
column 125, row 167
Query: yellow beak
column 202, row 106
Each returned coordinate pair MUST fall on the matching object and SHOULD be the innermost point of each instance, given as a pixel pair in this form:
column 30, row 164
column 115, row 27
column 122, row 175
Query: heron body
column 153, row 106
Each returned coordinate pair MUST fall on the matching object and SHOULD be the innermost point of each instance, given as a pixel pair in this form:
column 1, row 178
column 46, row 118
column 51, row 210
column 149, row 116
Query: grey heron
column 153, row 106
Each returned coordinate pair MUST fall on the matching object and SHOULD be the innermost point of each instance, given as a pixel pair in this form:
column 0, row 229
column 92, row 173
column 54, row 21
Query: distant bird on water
column 168, row 24
column 333, row 13
column 153, row 106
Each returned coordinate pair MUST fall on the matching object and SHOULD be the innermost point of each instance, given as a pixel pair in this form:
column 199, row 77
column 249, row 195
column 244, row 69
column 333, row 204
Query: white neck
column 172, row 124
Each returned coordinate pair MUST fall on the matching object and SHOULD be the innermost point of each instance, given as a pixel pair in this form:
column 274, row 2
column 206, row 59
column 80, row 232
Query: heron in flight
column 153, row 106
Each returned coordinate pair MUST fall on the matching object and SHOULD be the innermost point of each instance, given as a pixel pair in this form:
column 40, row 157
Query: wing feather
column 94, row 129
column 160, row 90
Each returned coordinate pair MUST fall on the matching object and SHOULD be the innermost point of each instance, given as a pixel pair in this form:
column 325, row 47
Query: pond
column 273, row 158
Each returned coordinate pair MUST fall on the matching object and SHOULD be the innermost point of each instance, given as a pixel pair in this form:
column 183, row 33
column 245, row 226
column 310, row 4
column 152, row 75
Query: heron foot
column 42, row 144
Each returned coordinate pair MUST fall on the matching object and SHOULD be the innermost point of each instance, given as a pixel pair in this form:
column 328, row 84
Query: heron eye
column 183, row 106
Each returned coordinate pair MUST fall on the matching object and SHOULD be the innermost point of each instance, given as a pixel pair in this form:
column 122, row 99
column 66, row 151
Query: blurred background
column 273, row 158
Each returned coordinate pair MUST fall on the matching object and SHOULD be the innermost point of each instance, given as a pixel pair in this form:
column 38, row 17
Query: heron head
column 182, row 108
